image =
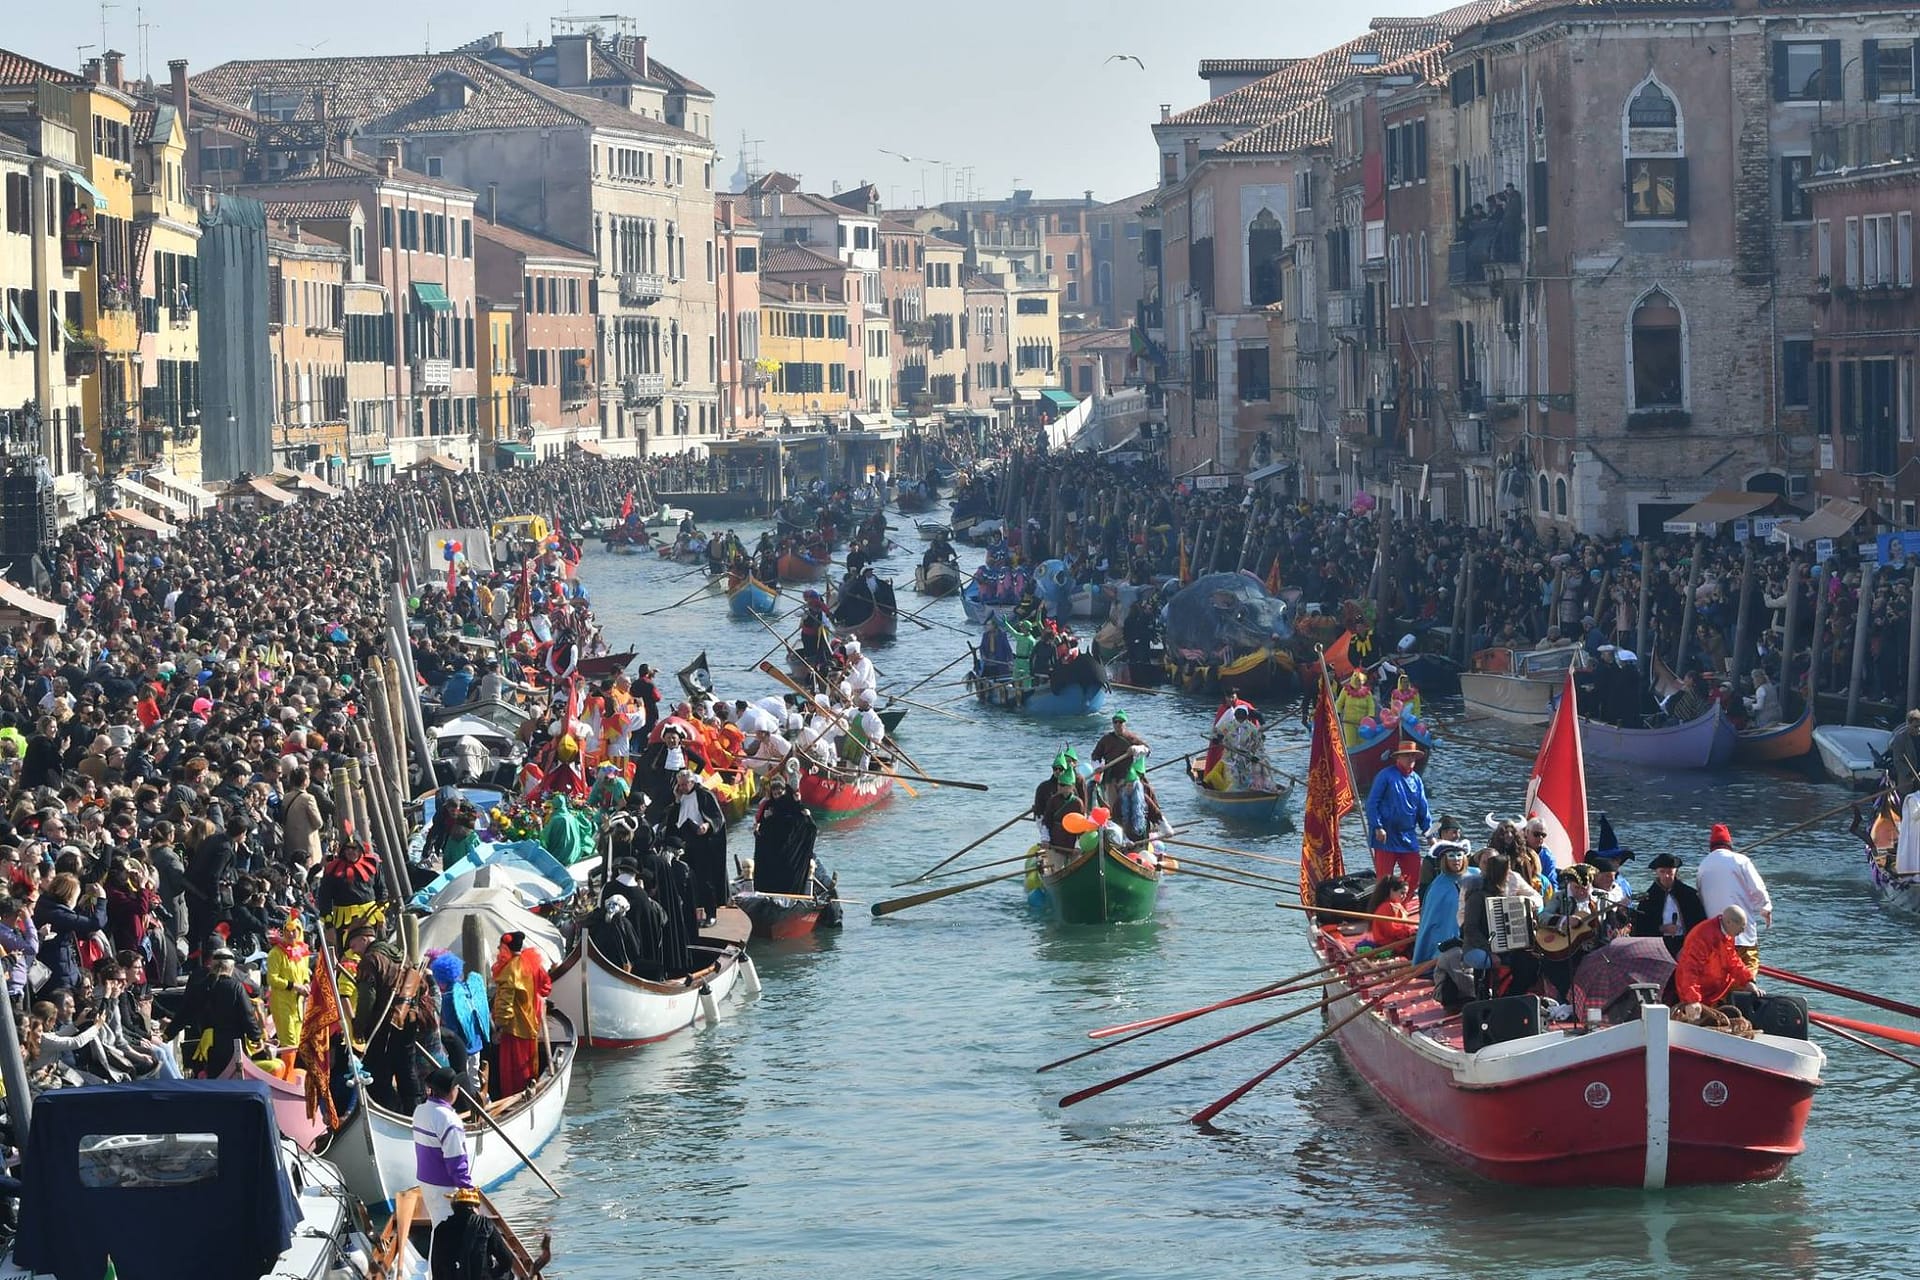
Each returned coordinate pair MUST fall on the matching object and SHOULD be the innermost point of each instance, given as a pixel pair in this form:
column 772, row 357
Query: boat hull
column 374, row 1150
column 1777, row 745
column 1366, row 760
column 1704, row 742
column 1847, row 753
column 1899, row 895
column 289, row 1102
column 1515, row 699
column 937, row 579
column 1068, row 700
column 777, row 919
column 797, row 568
column 831, row 798
column 616, row 1010
column 752, row 599
column 1102, row 887
column 1663, row 1104
column 1241, row 808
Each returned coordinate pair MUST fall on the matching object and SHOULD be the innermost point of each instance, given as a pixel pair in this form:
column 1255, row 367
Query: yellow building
column 803, row 349
column 106, row 318
column 502, row 411
column 165, row 287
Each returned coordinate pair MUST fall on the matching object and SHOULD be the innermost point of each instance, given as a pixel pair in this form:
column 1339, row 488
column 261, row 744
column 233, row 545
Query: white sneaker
column 1559, row 1012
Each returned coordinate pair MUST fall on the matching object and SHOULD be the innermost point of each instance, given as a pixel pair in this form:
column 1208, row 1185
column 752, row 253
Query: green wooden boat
column 1104, row 887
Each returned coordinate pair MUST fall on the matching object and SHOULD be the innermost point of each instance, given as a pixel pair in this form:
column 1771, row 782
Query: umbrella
column 1606, row 973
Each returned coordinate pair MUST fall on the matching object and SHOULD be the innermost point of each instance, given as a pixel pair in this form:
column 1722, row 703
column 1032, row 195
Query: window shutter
column 1903, row 248
column 1538, row 197
column 1832, row 69
column 1780, row 91
column 1420, row 150
column 1680, row 190
column 1853, row 252
column 1870, row 69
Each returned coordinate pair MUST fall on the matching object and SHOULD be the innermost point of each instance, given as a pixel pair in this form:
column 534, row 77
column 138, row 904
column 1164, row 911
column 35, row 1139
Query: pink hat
column 202, row 705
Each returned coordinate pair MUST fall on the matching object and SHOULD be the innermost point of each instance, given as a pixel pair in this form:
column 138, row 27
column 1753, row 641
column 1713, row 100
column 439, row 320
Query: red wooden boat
column 782, row 917
column 1371, row 756
column 1645, row 1103
column 843, row 792
column 801, row 568
column 604, row 665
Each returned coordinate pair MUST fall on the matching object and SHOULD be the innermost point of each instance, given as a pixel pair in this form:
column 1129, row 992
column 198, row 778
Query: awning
column 1060, row 398
column 33, row 606
column 443, row 462
column 186, row 488
column 141, row 520
column 270, row 491
column 590, row 446
column 379, row 459
column 140, row 493
column 1026, row 394
column 1834, row 519
column 515, row 450
column 80, row 180
column 7, row 332
column 431, row 296
column 1718, row 508
column 314, row 484
column 1270, row 470
column 20, row 324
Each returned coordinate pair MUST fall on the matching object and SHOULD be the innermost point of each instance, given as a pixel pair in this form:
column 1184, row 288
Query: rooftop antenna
column 145, row 41
column 104, row 6
column 80, row 57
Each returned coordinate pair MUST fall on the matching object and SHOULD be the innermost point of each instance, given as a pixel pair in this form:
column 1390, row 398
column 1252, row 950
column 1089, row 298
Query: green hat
column 1120, row 716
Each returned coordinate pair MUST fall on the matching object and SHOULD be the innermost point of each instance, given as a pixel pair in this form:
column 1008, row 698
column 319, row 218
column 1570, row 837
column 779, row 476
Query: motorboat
column 1851, row 753
column 1517, row 685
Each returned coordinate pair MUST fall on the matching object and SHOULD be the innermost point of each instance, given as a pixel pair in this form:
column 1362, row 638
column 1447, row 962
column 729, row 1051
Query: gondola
column 603, row 665
column 1105, row 885
column 782, row 917
column 879, row 621
column 941, row 578
column 1777, row 745
column 616, row 1010
column 912, row 500
column 752, row 598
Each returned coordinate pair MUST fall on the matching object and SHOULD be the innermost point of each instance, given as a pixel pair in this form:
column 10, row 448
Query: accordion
column 1510, row 923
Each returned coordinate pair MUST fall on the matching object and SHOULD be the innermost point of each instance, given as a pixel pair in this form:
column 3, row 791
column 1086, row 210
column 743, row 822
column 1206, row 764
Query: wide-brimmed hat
column 1406, row 749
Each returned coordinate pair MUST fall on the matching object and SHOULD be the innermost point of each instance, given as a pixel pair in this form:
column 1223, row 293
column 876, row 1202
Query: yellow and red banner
column 1329, row 799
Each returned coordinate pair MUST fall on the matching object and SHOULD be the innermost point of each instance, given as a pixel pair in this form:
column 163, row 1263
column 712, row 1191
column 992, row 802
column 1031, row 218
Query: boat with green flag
column 1105, row 883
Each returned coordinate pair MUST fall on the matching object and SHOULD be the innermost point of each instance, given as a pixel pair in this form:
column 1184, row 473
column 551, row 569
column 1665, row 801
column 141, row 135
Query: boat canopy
column 134, row 1172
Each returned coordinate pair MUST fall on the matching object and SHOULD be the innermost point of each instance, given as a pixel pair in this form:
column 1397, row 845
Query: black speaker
column 1773, row 1015
column 1348, row 893
column 26, row 512
column 1626, row 1006
column 1490, row 1022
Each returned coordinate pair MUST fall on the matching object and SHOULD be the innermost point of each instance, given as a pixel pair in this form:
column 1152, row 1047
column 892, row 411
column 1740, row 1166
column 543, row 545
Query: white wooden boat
column 374, row 1149
column 499, row 910
column 1517, row 686
column 616, row 1010
column 1847, row 752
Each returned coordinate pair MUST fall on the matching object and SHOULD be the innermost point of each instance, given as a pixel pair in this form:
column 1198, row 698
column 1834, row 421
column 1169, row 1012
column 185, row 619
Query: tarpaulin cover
column 1225, row 615
column 227, row 1226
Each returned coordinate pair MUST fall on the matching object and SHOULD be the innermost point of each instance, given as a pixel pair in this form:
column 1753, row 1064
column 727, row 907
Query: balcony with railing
column 1859, row 143
column 1482, row 252
column 642, row 288
column 78, row 239
column 639, row 390
column 432, row 374
column 116, row 294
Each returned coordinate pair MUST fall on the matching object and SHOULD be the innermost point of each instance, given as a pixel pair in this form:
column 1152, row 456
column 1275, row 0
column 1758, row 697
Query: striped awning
column 193, row 493
column 140, row 493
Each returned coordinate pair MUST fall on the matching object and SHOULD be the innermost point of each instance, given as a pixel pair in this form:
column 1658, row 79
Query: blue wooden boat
column 1704, row 742
column 1242, row 808
column 752, row 598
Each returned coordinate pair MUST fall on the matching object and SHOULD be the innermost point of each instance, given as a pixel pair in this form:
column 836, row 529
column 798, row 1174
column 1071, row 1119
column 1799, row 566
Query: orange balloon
column 1079, row 823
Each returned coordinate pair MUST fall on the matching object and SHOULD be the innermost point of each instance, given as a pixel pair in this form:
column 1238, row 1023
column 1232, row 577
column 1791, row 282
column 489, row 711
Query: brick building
column 743, row 379
column 549, row 288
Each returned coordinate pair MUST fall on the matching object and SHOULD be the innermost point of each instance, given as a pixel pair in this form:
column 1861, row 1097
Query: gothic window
column 1655, row 156
column 1265, row 240
column 1657, row 344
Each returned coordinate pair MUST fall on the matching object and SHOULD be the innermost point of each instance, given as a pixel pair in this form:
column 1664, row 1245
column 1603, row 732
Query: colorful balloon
column 1079, row 823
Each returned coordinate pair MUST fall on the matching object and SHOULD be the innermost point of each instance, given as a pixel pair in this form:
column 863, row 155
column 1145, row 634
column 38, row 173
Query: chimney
column 1166, row 112
column 572, row 60
column 640, row 55
column 493, row 202
column 92, row 71
column 116, row 69
column 346, row 146
column 320, row 104
column 1193, row 153
column 389, row 159
column 182, row 104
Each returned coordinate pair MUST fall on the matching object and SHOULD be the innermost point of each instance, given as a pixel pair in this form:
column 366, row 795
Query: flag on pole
column 1273, row 576
column 314, row 1054
column 1186, row 569
column 1329, row 798
column 1557, row 791
column 626, row 507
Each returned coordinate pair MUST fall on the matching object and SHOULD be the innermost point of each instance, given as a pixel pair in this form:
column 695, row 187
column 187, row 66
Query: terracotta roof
column 1308, row 125
column 798, row 257
column 333, row 167
column 396, row 95
column 784, row 291
column 1211, row 67
column 526, row 243
column 18, row 69
column 1426, row 66
column 310, row 210
column 142, row 125
column 1093, row 339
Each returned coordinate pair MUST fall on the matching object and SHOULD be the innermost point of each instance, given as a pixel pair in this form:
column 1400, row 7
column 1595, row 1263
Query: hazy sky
column 1015, row 89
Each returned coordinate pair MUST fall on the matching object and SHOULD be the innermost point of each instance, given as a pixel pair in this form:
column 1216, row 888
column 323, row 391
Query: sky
column 1009, row 93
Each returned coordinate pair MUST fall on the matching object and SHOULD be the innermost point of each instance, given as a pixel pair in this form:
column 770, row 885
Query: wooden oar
column 1796, row 829
column 1250, row 877
column 961, row 871
column 1107, row 1086
column 1235, row 853
column 927, row 680
column 1845, row 993
column 933, row 895
column 538, row 1172
column 784, row 644
column 969, row 848
column 1258, row 993
column 1134, row 688
column 1204, row 1117
column 1899, row 1035
column 677, row 603
column 1174, row 867
column 1830, row 1023
column 794, row 685
column 787, row 680
column 909, row 702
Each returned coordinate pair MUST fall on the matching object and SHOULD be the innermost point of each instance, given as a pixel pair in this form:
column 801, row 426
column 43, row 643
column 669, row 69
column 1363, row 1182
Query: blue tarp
column 520, row 853
column 156, row 1209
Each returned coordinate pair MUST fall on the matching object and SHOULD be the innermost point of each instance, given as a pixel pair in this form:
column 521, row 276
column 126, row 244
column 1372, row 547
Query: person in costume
column 609, row 790
column 632, row 921
column 467, row 1244
column 289, row 973
column 346, row 896
column 521, row 986
column 1355, row 705
column 783, row 842
column 1117, row 747
column 1397, row 815
column 696, row 818
column 664, row 873
column 569, row 833
column 1670, row 908
column 1440, row 910
column 1244, row 753
column 465, row 1018
column 1063, row 792
column 1390, row 899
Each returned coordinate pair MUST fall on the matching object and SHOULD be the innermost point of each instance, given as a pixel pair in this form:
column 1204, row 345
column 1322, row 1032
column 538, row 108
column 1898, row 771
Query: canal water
column 875, row 1111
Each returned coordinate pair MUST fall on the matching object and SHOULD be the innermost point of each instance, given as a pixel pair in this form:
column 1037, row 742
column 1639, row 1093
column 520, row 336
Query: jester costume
column 289, row 970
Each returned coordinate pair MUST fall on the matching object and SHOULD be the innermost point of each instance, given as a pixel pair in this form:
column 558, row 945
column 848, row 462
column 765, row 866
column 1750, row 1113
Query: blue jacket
column 1397, row 803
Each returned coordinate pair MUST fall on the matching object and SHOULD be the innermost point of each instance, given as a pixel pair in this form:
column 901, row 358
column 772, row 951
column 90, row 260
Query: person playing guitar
column 1574, row 922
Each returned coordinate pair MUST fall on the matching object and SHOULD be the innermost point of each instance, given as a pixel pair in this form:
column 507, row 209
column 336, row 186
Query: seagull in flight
column 1126, row 57
column 904, row 158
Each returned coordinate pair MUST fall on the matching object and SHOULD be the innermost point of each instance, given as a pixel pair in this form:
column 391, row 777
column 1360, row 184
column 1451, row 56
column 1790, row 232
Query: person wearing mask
column 219, row 1016
column 1442, row 909
column 697, row 819
column 521, row 986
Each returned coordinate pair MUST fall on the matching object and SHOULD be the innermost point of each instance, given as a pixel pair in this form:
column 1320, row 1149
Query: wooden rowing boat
column 779, row 917
column 1367, row 758
column 1776, row 745
column 1101, row 886
column 604, row 665
column 616, row 1010
column 941, row 578
column 752, row 599
column 842, row 793
column 374, row 1148
column 1251, row 807
column 799, row 566
column 1704, row 742
column 410, row 1228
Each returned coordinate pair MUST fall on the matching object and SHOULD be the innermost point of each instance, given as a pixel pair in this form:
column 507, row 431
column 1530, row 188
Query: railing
column 115, row 295
column 1853, row 144
column 178, row 316
column 429, row 374
column 643, row 389
column 642, row 288
column 1673, row 419
column 1486, row 243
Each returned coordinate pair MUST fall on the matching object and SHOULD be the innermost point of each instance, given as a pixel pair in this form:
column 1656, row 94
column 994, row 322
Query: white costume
column 1728, row 879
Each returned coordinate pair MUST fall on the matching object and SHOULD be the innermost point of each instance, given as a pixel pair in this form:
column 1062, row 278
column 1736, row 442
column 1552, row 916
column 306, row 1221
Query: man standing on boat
column 1670, row 908
column 1729, row 879
column 1064, row 792
column 1397, row 816
column 1112, row 755
column 441, row 1160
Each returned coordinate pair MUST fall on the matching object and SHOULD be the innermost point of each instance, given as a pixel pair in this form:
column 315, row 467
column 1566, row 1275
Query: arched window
column 1544, row 508
column 1657, row 351
column 1266, row 237
column 1559, row 497
column 1654, row 149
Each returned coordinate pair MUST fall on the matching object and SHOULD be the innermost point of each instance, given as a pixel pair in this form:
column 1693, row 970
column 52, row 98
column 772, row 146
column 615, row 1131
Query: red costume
column 1401, row 927
column 1710, row 966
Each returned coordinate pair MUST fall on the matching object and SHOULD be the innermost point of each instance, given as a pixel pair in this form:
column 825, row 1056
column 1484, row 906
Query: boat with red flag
column 1620, row 1094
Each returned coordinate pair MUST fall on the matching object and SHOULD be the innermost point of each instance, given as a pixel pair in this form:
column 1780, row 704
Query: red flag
column 1329, row 799
column 1557, row 791
column 1273, row 576
column 626, row 507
